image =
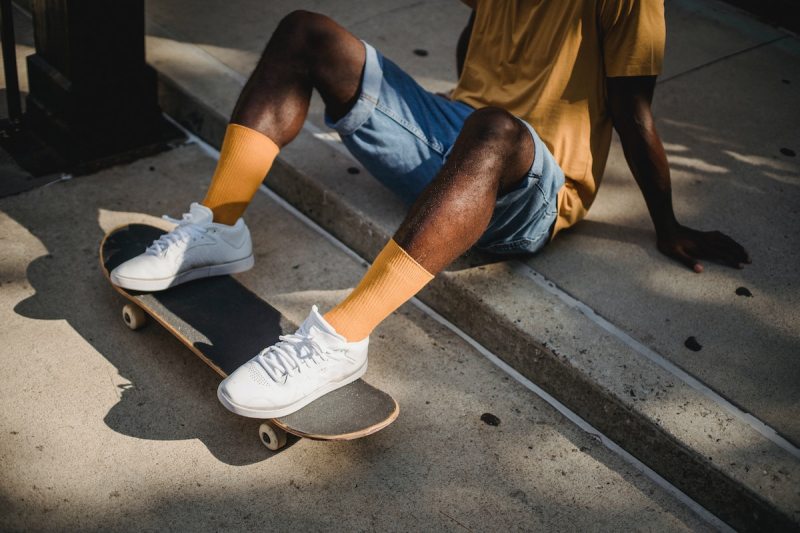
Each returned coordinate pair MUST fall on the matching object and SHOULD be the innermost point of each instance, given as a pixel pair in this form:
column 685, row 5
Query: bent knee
column 496, row 124
column 306, row 29
column 301, row 20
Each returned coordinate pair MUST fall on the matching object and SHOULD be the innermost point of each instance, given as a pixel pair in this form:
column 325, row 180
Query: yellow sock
column 392, row 279
column 244, row 160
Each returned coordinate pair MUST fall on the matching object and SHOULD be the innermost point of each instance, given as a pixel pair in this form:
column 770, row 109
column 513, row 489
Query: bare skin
column 630, row 99
column 307, row 51
column 491, row 155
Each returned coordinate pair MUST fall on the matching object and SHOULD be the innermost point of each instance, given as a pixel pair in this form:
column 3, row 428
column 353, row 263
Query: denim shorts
column 402, row 135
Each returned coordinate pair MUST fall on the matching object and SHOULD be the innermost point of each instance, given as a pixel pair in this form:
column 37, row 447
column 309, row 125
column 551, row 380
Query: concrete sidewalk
column 721, row 144
column 605, row 331
column 107, row 429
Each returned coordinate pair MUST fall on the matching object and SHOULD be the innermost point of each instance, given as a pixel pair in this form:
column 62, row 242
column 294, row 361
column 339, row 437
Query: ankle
column 227, row 214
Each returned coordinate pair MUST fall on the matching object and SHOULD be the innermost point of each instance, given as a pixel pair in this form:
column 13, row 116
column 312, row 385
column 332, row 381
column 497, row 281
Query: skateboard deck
column 225, row 325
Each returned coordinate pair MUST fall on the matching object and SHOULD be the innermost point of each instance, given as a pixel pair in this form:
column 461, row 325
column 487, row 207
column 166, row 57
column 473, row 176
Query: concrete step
column 103, row 427
column 728, row 460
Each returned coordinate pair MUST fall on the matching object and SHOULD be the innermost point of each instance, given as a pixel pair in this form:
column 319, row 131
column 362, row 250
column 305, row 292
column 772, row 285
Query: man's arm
column 629, row 101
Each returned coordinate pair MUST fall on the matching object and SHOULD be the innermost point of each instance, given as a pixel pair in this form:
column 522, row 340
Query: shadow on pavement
column 170, row 394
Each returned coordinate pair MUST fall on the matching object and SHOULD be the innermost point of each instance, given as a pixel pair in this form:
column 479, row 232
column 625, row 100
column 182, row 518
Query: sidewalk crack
column 723, row 58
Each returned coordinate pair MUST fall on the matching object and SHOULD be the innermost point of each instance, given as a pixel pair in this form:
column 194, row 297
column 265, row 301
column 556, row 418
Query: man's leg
column 307, row 51
column 492, row 154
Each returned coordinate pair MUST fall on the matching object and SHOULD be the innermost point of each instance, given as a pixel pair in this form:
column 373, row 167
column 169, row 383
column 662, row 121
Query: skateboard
column 225, row 325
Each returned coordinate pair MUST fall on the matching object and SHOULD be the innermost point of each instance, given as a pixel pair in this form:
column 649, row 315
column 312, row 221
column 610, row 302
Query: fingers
column 720, row 247
column 691, row 246
column 687, row 260
column 739, row 253
column 734, row 250
column 721, row 252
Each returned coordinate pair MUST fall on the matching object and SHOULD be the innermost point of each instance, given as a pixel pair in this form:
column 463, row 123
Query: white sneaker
column 196, row 248
column 294, row 372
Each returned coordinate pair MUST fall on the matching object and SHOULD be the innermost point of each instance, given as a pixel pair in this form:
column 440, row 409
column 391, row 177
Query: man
column 515, row 157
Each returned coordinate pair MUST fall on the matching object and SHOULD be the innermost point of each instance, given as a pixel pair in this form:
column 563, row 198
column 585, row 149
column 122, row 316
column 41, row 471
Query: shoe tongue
column 200, row 214
column 317, row 321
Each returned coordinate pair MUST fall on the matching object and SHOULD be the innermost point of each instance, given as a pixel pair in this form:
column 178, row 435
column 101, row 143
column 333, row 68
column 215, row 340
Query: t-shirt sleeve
column 634, row 32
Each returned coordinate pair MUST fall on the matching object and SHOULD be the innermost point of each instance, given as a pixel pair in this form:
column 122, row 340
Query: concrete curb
column 688, row 438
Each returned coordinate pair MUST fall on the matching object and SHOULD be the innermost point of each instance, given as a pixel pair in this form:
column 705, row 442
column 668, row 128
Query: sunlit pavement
column 105, row 428
column 726, row 107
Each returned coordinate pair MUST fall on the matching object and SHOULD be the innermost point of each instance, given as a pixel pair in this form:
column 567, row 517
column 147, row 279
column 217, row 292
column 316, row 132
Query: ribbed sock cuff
column 244, row 160
column 392, row 280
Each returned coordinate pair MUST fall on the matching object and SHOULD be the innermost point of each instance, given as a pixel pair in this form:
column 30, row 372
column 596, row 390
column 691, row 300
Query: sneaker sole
column 289, row 409
column 150, row 285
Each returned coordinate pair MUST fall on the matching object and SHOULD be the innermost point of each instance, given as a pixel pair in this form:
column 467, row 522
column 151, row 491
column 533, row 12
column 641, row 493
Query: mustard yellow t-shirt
column 546, row 61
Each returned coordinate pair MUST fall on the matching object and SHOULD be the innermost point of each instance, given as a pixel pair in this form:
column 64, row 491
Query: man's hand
column 629, row 100
column 689, row 246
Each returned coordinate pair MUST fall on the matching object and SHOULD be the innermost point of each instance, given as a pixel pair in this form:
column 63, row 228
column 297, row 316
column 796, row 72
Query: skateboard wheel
column 133, row 316
column 272, row 437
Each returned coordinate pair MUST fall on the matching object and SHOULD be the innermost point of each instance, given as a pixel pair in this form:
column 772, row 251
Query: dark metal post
column 10, row 61
column 92, row 95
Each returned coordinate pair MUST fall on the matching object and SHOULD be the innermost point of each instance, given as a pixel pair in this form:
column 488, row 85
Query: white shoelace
column 291, row 354
column 184, row 232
